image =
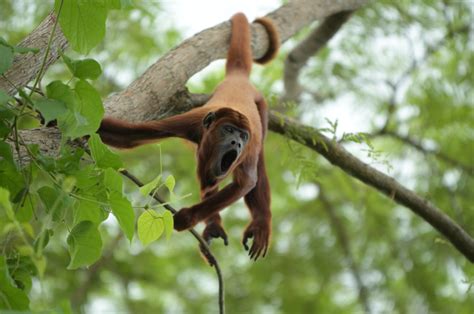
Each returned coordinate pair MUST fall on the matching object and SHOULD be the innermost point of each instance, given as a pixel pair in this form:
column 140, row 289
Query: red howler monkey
column 229, row 131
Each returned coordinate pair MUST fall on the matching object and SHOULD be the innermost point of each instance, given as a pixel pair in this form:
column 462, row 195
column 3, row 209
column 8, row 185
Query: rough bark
column 148, row 96
column 26, row 66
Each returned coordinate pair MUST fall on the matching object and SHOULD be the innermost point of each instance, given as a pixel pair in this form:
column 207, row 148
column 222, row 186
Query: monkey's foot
column 259, row 230
column 214, row 230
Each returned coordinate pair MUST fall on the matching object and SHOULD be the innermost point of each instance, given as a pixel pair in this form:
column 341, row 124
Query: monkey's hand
column 184, row 219
column 259, row 230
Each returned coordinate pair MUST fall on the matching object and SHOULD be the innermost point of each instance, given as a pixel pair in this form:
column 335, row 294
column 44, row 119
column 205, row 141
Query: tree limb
column 307, row 48
column 26, row 66
column 339, row 156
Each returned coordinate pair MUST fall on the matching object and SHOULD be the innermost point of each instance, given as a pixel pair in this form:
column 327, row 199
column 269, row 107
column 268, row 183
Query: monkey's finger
column 246, row 237
column 265, row 251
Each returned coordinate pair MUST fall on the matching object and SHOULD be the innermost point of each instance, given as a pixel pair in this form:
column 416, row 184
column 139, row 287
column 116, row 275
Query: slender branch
column 46, row 53
column 203, row 244
column 300, row 55
column 344, row 243
column 339, row 156
column 414, row 66
column 416, row 144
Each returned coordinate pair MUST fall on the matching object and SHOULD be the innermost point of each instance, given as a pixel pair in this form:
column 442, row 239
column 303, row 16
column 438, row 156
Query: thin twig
column 203, row 244
column 416, row 144
column 344, row 243
column 48, row 48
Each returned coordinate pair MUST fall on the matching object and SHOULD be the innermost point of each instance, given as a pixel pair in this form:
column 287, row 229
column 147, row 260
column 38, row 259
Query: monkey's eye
column 244, row 136
column 228, row 129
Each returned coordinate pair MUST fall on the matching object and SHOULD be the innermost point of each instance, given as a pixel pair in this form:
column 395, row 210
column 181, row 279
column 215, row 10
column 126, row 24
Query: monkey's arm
column 123, row 134
column 258, row 199
column 244, row 180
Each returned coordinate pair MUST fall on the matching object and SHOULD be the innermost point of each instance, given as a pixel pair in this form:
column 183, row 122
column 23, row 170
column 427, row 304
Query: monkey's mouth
column 228, row 159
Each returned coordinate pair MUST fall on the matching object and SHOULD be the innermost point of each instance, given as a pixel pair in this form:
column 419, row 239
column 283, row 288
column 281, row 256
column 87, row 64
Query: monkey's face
column 221, row 148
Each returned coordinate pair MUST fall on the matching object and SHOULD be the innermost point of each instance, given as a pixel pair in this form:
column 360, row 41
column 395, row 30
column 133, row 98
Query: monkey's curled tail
column 239, row 57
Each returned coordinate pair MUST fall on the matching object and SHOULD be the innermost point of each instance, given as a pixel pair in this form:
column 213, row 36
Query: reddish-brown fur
column 234, row 101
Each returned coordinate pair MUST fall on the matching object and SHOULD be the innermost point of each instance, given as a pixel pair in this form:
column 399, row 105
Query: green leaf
column 88, row 210
column 89, row 107
column 82, row 22
column 12, row 297
column 85, row 110
column 42, row 240
column 102, row 155
column 85, row 245
column 5, row 203
column 83, row 69
column 170, row 183
column 60, row 91
column 150, row 227
column 123, row 211
column 4, row 97
column 6, row 58
column 113, row 181
column 150, row 186
column 169, row 223
column 28, row 120
column 118, row 4
column 51, row 109
column 56, row 202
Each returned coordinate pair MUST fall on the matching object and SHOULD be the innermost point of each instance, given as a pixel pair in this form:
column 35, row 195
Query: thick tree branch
column 338, row 156
column 308, row 48
column 26, row 66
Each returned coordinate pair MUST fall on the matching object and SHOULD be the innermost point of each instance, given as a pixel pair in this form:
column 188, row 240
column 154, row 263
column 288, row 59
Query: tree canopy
column 369, row 154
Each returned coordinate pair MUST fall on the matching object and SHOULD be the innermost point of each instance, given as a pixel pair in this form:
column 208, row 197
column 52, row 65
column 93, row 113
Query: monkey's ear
column 208, row 119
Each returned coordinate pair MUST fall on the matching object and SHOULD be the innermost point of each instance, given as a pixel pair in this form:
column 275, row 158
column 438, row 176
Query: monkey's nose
column 234, row 142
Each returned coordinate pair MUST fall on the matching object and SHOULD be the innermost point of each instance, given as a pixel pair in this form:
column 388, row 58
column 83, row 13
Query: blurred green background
column 338, row 246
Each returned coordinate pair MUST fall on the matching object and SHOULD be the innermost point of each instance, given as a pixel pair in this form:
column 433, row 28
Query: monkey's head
column 226, row 134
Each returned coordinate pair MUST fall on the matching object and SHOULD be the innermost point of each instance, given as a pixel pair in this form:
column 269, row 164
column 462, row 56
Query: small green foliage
column 82, row 22
column 83, row 69
column 85, row 245
column 150, row 186
column 102, row 155
column 123, row 211
column 170, row 183
column 6, row 58
column 51, row 109
column 12, row 298
column 169, row 223
column 5, row 204
column 150, row 226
